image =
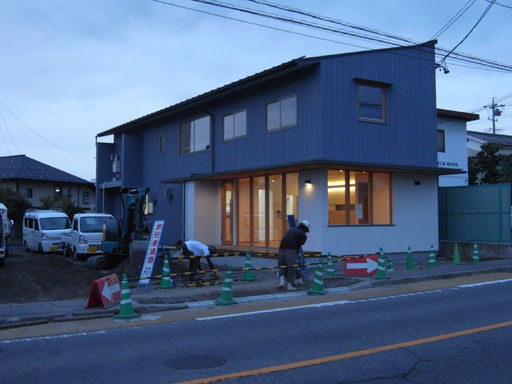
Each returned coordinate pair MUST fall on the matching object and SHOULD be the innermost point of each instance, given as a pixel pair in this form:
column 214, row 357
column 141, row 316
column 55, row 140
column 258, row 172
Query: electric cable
column 302, row 23
column 454, row 18
column 471, row 30
column 5, row 141
column 42, row 137
column 9, row 133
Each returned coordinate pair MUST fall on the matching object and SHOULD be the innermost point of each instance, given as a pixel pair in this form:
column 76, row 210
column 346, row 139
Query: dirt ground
column 33, row 277
column 30, row 277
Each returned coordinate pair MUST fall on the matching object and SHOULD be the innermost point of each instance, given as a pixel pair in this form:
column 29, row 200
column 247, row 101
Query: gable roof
column 271, row 73
column 23, row 167
column 490, row 138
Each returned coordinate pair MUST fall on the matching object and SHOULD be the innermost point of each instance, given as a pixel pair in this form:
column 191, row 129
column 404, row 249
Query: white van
column 86, row 235
column 43, row 229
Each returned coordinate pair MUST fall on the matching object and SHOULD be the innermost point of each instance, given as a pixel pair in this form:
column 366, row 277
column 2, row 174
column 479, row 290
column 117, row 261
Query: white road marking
column 28, row 339
column 486, row 283
column 276, row 310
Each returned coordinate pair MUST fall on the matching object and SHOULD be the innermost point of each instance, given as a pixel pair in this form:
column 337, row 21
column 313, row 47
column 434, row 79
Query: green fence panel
column 478, row 213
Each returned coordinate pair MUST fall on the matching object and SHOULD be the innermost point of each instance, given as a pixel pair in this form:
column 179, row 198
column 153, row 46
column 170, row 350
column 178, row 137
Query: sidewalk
column 265, row 288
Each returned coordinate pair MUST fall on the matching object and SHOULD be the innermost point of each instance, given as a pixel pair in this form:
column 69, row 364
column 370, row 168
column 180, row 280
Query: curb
column 29, row 320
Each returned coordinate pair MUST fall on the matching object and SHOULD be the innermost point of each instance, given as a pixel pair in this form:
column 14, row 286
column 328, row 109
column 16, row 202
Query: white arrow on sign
column 108, row 290
column 369, row 265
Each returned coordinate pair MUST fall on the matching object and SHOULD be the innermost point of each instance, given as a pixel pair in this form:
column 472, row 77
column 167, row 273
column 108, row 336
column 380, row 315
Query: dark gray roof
column 23, row 167
column 490, row 138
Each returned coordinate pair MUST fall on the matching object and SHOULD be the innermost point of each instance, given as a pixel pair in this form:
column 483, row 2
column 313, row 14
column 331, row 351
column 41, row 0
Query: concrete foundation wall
column 485, row 250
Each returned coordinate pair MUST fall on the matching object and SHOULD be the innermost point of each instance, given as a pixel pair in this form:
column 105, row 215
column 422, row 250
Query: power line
column 9, row 133
column 501, row 5
column 258, row 24
column 471, row 30
column 5, row 141
column 454, row 18
column 42, row 137
column 323, row 28
column 459, row 55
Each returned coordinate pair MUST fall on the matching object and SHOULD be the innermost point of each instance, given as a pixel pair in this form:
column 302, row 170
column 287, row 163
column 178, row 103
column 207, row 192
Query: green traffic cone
column 431, row 258
column 249, row 269
column 389, row 264
column 410, row 259
column 226, row 295
column 126, row 309
column 456, row 255
column 381, row 267
column 318, row 280
column 476, row 258
column 330, row 266
column 166, row 281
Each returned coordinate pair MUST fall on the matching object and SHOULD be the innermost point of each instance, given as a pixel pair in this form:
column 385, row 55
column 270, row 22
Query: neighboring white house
column 452, row 147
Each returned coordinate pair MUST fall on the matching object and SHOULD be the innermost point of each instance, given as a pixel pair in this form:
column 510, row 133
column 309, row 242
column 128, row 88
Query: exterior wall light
column 307, row 183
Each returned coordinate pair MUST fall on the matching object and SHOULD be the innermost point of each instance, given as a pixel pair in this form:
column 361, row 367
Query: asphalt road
column 353, row 342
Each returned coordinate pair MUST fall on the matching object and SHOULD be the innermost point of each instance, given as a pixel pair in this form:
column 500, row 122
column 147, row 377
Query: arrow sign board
column 105, row 291
column 365, row 266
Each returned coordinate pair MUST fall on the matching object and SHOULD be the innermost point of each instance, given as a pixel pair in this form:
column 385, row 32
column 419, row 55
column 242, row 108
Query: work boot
column 291, row 287
column 281, row 282
column 299, row 281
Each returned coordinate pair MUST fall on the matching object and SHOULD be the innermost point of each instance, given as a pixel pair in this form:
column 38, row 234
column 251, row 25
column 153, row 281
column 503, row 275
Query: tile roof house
column 34, row 180
column 476, row 139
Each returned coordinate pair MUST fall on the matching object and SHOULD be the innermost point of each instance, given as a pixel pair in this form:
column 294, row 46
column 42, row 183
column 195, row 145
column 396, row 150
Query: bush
column 63, row 203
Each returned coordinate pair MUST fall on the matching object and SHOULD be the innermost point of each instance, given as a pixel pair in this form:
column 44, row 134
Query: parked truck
column 85, row 236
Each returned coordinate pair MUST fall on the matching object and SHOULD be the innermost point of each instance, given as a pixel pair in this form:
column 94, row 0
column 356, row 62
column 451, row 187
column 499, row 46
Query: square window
column 372, row 102
column 195, row 135
column 235, row 125
column 281, row 113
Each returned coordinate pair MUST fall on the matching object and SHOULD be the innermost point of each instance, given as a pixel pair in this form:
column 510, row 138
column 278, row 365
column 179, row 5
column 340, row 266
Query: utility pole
column 495, row 113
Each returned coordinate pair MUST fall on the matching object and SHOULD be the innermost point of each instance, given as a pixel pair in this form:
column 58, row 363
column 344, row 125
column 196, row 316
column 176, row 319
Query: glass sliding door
column 292, row 196
column 259, row 208
column 275, row 208
column 262, row 205
column 244, row 211
column 227, row 213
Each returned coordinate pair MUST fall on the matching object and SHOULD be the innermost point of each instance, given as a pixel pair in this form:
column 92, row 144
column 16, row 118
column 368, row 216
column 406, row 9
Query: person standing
column 196, row 248
column 289, row 248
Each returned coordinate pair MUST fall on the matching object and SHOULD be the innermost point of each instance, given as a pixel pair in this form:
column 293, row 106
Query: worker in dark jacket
column 289, row 248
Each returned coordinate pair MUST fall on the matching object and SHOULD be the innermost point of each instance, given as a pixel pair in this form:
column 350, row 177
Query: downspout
column 183, row 211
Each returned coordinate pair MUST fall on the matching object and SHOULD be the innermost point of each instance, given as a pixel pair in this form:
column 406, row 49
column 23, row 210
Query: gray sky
column 70, row 69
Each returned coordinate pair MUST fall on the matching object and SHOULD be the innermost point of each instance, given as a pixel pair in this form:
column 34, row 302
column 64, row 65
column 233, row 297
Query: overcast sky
column 70, row 69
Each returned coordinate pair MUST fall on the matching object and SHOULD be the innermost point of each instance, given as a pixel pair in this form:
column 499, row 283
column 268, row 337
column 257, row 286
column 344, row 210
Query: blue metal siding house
column 346, row 141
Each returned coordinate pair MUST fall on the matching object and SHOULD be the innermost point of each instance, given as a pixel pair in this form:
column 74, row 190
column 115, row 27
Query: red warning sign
column 364, row 266
column 105, row 291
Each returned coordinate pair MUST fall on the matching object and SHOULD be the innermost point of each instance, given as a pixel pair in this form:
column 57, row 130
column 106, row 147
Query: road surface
column 460, row 334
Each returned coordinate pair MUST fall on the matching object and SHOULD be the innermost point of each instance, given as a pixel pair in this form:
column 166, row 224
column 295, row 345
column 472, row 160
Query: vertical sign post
column 151, row 254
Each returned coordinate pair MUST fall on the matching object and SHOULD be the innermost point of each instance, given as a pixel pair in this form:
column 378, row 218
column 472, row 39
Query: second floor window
column 29, row 193
column 161, row 144
column 195, row 135
column 235, row 125
column 281, row 113
column 440, row 140
column 372, row 102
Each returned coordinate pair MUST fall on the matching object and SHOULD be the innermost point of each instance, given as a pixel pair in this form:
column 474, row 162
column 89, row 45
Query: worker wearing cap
column 196, row 248
column 289, row 248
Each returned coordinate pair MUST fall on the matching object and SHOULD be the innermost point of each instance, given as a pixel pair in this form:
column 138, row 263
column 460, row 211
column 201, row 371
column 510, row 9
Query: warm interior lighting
column 307, row 183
